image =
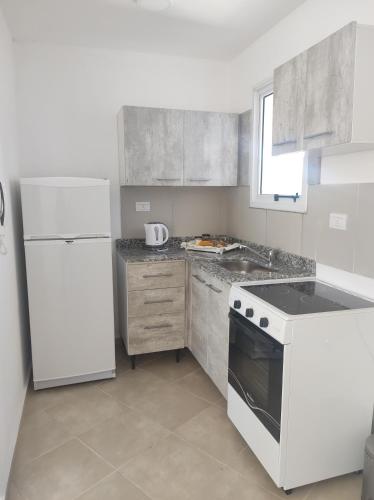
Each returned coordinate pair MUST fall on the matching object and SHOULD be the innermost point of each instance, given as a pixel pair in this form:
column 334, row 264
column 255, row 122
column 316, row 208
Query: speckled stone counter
column 287, row 265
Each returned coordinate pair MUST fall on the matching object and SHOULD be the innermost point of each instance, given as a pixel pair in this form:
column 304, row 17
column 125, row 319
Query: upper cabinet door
column 329, row 90
column 151, row 141
column 210, row 149
column 289, row 100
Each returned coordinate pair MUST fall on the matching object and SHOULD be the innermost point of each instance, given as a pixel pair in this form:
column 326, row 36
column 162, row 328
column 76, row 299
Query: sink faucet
column 269, row 258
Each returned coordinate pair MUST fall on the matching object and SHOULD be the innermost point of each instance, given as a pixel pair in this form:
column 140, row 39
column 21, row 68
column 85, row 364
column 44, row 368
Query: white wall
column 68, row 99
column 13, row 314
column 307, row 25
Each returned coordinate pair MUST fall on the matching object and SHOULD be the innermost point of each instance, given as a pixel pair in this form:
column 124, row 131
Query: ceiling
column 199, row 28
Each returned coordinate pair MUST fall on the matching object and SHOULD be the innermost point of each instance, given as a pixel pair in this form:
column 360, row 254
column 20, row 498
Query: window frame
column 258, row 200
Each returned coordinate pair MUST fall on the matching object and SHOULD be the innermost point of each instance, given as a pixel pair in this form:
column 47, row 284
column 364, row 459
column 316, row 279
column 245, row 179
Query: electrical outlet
column 338, row 221
column 143, row 206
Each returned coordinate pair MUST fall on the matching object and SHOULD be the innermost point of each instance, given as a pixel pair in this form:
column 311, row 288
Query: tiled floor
column 157, row 433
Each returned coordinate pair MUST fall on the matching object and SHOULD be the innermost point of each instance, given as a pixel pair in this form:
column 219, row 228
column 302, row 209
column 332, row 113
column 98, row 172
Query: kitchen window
column 278, row 182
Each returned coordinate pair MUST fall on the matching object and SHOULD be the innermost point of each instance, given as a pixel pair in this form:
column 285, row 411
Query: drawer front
column 157, row 301
column 155, row 333
column 153, row 275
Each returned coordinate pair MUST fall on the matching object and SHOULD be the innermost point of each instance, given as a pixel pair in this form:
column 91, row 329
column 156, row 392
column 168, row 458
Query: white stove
column 301, row 371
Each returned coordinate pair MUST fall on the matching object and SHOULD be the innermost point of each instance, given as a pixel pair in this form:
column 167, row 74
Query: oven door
column 255, row 371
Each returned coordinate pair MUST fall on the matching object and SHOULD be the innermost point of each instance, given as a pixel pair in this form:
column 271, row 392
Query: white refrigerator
column 68, row 248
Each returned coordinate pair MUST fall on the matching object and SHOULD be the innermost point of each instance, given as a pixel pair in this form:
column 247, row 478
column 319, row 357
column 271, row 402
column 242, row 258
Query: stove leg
column 133, row 362
column 288, row 492
column 177, row 355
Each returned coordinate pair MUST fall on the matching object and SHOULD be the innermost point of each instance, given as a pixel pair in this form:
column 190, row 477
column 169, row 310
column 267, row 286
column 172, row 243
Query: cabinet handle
column 283, row 143
column 318, row 134
column 167, row 179
column 155, row 327
column 215, row 289
column 198, row 278
column 199, row 179
column 163, row 301
column 158, row 275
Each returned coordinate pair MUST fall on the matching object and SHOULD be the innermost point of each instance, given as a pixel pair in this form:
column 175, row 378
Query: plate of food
column 208, row 244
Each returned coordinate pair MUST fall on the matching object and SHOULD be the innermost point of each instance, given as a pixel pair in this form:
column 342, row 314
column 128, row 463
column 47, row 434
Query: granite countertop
column 287, row 265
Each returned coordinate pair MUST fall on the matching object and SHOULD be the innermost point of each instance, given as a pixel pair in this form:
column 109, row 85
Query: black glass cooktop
column 306, row 297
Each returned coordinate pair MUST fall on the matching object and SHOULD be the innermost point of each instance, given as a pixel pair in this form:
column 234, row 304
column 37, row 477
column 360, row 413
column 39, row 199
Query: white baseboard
column 16, row 428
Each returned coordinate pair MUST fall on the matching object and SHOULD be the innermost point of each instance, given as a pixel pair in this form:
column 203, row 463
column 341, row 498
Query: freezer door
column 71, row 307
column 67, row 207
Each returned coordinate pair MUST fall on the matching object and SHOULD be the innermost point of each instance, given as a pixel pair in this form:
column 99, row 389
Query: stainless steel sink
column 244, row 266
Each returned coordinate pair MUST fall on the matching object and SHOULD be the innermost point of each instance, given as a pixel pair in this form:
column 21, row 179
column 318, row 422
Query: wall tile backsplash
column 309, row 234
column 186, row 211
column 192, row 211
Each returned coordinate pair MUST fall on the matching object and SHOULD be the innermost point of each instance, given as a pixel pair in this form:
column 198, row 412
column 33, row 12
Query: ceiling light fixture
column 154, row 5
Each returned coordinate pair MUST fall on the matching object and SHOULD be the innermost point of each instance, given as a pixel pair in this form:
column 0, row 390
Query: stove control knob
column 237, row 304
column 264, row 322
column 249, row 313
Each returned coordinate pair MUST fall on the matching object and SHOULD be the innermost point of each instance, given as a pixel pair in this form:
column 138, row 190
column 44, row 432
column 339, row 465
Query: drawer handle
column 199, row 179
column 283, row 143
column 158, row 275
column 198, row 278
column 170, row 179
column 154, row 327
column 215, row 289
column 163, row 301
column 319, row 134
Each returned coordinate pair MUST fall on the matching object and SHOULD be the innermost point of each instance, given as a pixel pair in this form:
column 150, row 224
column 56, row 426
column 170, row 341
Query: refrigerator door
column 71, row 310
column 65, row 207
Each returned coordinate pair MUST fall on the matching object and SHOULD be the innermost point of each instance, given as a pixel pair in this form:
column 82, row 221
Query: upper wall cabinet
column 323, row 98
column 151, row 146
column 166, row 147
column 288, row 105
column 210, row 149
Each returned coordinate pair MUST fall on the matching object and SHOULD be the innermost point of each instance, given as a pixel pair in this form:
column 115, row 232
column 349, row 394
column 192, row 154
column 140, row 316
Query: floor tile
column 39, row 433
column 131, row 386
column 248, row 465
column 175, row 470
column 13, row 493
column 46, row 398
column 168, row 369
column 199, row 384
column 164, row 425
column 81, row 411
column 341, row 488
column 212, row 431
column 43, row 399
column 61, row 474
column 114, row 487
column 170, row 406
column 122, row 437
column 123, row 361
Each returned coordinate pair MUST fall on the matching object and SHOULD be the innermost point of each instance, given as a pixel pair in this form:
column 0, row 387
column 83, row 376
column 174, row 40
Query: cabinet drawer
column 157, row 301
column 152, row 275
column 155, row 333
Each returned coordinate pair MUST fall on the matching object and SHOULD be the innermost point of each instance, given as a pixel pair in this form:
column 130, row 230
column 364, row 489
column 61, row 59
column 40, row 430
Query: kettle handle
column 164, row 228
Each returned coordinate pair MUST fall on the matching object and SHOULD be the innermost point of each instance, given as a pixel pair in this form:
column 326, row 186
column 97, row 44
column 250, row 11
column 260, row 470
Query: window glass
column 282, row 174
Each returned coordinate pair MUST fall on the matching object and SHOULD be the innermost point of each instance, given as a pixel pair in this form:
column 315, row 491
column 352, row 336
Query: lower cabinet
column 152, row 310
column 152, row 305
column 209, row 325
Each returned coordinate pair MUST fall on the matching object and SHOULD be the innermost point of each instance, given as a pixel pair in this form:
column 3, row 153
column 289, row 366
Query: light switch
column 338, row 221
column 143, row 206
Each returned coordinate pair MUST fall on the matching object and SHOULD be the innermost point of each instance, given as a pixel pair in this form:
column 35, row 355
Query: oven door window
column 256, row 370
